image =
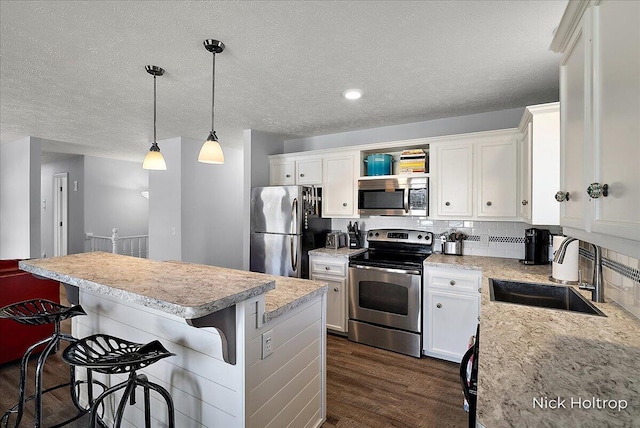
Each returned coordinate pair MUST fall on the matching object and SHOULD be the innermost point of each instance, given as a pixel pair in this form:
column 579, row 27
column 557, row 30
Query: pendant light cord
column 154, row 109
column 213, row 89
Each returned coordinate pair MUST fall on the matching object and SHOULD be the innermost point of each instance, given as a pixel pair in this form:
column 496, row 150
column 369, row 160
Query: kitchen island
column 256, row 358
column 547, row 367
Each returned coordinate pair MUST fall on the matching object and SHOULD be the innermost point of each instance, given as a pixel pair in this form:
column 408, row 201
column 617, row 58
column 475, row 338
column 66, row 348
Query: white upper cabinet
column 600, row 117
column 309, row 171
column 339, row 181
column 475, row 176
column 303, row 171
column 497, row 178
column 453, row 178
column 282, row 172
column 539, row 165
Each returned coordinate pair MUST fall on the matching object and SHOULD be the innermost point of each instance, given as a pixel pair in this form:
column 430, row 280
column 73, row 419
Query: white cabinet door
column 336, row 302
column 309, row 171
column 453, row 319
column 282, row 173
column 339, row 186
column 525, row 146
column 497, row 178
column 454, row 179
column 616, row 94
column 574, row 108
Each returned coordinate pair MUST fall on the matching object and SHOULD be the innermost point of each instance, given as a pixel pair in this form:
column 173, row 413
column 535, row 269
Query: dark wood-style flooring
column 366, row 388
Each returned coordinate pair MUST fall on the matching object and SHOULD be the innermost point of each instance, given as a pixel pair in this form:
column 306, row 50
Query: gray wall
column 202, row 203
column 74, row 166
column 20, row 198
column 112, row 197
column 500, row 119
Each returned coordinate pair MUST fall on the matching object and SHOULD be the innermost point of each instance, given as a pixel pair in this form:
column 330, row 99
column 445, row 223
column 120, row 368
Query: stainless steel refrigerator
column 285, row 225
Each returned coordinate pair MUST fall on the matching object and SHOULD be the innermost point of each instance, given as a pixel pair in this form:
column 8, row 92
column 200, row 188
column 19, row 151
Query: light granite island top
column 545, row 367
column 342, row 253
column 266, row 332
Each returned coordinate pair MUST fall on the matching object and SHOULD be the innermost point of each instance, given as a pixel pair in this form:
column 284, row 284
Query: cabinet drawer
column 468, row 283
column 329, row 268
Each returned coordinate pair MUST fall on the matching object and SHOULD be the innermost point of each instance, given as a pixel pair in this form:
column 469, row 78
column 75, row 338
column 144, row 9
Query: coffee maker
column 536, row 247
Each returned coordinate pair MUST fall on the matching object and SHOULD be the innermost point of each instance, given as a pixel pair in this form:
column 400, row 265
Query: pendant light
column 154, row 159
column 211, row 152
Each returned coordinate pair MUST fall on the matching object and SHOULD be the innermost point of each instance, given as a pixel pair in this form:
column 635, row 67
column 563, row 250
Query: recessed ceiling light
column 352, row 94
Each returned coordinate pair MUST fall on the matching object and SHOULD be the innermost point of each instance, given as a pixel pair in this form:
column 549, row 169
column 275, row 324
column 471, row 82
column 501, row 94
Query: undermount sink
column 541, row 295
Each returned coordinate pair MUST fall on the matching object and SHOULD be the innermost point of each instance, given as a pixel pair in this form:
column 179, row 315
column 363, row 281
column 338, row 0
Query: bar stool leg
column 39, row 371
column 167, row 397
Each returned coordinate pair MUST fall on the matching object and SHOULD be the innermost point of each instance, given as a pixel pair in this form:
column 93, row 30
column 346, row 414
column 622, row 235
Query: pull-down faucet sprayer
column 597, row 288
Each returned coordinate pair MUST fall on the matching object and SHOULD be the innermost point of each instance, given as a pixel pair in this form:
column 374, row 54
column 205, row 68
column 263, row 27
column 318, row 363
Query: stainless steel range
column 385, row 294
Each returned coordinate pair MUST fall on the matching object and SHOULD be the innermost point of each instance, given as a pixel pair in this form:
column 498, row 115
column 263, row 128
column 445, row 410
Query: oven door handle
column 390, row 270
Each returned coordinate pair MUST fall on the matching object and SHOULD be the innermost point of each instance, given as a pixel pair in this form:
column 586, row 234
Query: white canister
column 567, row 271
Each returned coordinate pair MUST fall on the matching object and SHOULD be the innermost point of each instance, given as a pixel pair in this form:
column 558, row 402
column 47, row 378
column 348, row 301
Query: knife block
column 354, row 240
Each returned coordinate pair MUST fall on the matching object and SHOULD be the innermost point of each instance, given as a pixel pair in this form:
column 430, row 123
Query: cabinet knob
column 288, row 175
column 301, row 175
column 595, row 190
column 344, row 204
column 525, row 202
column 452, row 282
column 439, row 305
column 335, row 289
column 327, row 267
column 447, row 203
column 562, row 196
column 489, row 203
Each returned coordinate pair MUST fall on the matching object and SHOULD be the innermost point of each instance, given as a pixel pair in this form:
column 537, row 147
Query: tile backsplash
column 621, row 276
column 505, row 238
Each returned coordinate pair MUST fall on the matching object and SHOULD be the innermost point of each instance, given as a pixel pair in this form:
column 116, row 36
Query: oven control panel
column 400, row 235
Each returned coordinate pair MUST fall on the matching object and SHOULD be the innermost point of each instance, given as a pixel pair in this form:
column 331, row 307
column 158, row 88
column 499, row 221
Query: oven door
column 386, row 297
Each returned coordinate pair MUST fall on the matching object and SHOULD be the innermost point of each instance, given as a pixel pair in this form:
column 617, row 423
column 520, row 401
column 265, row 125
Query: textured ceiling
column 73, row 73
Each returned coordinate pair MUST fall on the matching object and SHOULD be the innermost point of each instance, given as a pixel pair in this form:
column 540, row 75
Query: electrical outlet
column 267, row 343
column 484, row 240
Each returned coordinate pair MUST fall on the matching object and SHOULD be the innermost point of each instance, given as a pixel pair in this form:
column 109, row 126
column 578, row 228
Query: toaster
column 336, row 240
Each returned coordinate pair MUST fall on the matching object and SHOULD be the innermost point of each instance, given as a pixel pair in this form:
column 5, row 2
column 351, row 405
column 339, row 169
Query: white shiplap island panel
column 122, row 299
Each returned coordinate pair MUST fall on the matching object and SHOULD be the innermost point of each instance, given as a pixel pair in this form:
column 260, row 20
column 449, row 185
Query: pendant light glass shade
column 154, row 159
column 211, row 152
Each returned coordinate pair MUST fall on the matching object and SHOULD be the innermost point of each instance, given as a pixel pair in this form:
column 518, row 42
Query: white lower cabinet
column 334, row 271
column 451, row 311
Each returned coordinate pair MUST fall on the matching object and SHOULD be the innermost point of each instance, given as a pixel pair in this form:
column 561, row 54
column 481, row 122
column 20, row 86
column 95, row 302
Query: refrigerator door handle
column 294, row 216
column 294, row 255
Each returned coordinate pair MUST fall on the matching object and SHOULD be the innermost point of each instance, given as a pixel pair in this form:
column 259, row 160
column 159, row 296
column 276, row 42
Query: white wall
column 195, row 209
column 489, row 121
column 19, row 198
column 74, row 166
column 112, row 196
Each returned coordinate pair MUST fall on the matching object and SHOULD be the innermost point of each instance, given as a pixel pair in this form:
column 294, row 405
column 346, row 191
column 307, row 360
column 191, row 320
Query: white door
column 525, row 174
column 338, row 187
column 336, row 302
column 453, row 319
column 60, row 214
column 309, row 171
column 454, row 176
column 574, row 96
column 617, row 119
column 497, row 179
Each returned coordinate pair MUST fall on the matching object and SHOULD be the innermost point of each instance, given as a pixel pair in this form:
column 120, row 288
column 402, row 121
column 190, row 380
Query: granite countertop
column 344, row 252
column 546, row 367
column 290, row 293
column 186, row 290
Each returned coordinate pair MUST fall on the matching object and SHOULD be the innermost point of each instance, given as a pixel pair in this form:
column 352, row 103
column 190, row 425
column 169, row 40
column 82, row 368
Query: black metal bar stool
column 111, row 355
column 39, row 312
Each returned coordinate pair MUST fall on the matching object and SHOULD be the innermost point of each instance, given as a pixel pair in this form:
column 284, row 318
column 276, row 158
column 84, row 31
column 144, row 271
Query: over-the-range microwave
column 397, row 196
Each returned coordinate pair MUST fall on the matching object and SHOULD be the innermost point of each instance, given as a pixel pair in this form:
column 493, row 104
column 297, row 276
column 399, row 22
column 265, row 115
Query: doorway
column 60, row 213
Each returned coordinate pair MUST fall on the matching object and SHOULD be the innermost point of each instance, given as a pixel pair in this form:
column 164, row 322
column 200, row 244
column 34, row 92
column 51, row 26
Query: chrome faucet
column 597, row 288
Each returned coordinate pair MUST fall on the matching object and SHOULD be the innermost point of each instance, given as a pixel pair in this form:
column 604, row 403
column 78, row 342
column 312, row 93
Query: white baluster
column 114, row 241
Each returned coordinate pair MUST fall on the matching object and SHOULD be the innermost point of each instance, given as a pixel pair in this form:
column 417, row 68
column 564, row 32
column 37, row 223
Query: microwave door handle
column 406, row 200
